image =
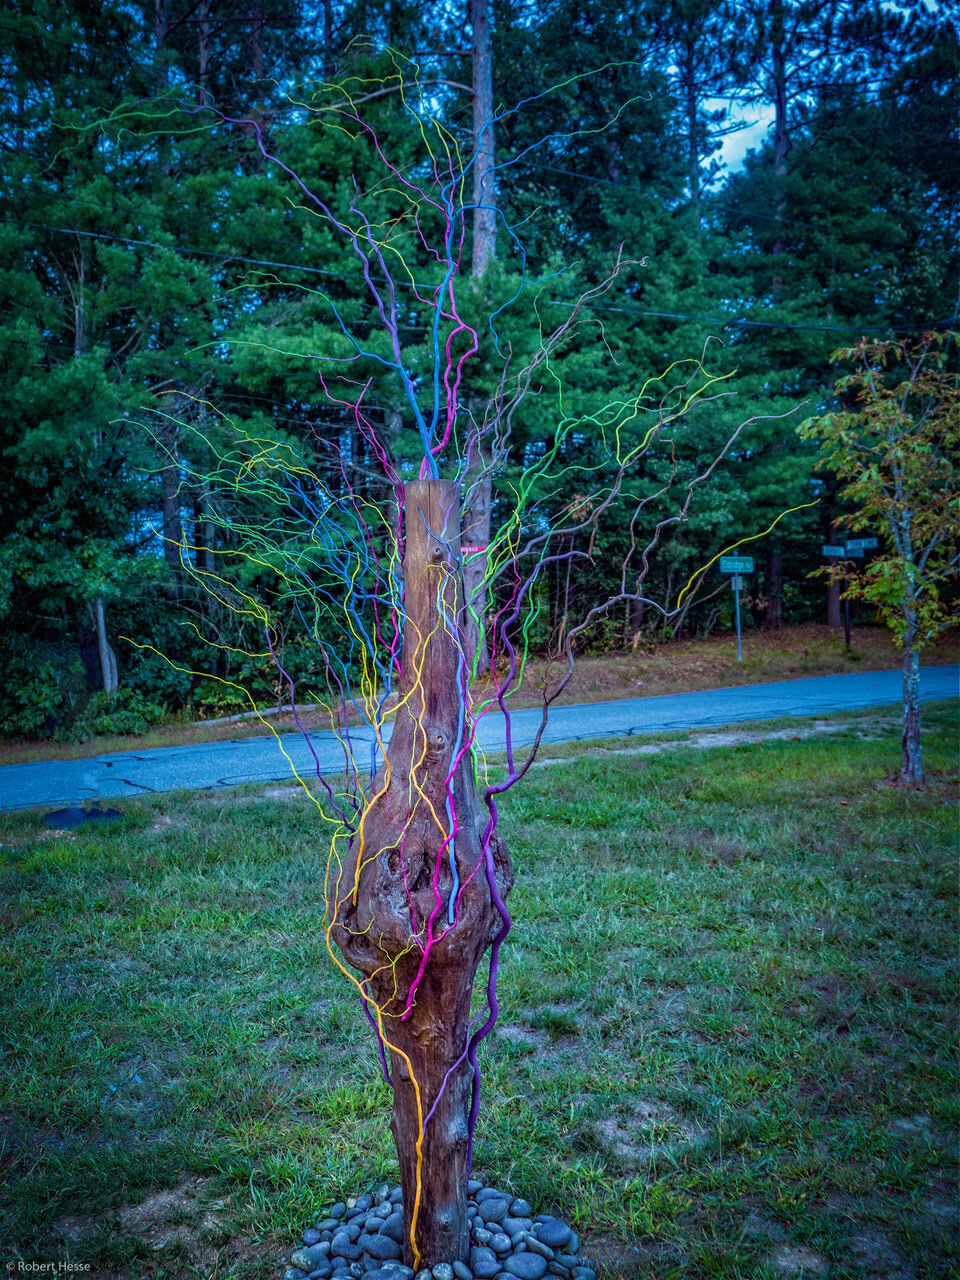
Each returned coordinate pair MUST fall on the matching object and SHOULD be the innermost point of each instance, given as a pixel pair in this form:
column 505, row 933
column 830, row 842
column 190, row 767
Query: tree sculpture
column 417, row 874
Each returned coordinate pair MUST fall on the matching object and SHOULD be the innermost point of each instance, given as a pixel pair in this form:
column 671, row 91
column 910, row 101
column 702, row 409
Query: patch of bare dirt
column 865, row 729
column 872, row 1250
column 654, row 1128
column 181, row 1218
column 798, row 1260
column 523, row 1037
column 615, row 1260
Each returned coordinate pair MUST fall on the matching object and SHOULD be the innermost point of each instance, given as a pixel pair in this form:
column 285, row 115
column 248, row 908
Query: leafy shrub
column 42, row 688
column 125, row 711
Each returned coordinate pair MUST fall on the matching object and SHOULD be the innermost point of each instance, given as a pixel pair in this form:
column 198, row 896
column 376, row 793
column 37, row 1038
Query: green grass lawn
column 727, row 1043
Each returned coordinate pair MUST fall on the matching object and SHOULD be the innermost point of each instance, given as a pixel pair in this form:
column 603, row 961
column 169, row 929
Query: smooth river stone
column 526, row 1266
column 381, row 1247
column 554, row 1233
column 442, row 1271
column 309, row 1259
column 462, row 1271
column 538, row 1246
column 393, row 1227
column 494, row 1210
column 343, row 1247
column 483, row 1262
column 513, row 1226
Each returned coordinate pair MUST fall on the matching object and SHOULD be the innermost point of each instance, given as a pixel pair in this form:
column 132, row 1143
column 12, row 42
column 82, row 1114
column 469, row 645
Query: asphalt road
column 227, row 764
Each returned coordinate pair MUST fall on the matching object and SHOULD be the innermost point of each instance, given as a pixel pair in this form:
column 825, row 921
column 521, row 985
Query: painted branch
column 403, row 879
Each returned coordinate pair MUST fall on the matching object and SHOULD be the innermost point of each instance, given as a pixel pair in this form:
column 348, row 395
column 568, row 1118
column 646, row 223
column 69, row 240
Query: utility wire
column 556, row 300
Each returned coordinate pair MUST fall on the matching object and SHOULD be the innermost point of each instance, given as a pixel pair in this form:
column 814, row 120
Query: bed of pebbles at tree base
column 362, row 1240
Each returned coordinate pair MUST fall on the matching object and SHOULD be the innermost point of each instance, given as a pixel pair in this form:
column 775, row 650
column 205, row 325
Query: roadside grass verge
column 727, row 1044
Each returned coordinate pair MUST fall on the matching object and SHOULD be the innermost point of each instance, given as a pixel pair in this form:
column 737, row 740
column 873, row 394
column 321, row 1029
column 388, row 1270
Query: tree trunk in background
column 634, row 623
column 773, row 590
column 478, row 478
column 256, row 33
column 484, row 178
column 474, row 541
column 688, row 80
column 781, row 135
column 203, row 53
column 834, row 618
column 108, row 659
column 170, row 482
column 395, row 889
column 911, row 758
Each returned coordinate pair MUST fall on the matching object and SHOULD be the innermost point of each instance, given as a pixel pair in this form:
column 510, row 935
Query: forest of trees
column 162, row 296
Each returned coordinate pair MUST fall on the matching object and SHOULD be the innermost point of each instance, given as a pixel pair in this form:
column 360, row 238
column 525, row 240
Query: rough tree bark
column 773, row 613
column 108, row 659
column 169, row 435
column 476, row 524
column 391, row 901
column 911, row 757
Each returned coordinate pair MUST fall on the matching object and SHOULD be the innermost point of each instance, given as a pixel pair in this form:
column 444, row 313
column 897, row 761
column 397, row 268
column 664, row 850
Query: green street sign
column 862, row 544
column 736, row 564
column 830, row 550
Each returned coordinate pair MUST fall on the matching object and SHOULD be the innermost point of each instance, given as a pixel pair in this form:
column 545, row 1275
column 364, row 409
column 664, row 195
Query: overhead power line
column 556, row 300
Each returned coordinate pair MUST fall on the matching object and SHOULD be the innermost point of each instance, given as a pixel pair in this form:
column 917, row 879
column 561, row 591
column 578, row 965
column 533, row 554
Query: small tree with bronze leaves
column 895, row 443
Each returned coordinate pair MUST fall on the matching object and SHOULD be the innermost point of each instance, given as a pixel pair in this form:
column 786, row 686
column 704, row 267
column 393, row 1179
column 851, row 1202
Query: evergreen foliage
column 163, row 293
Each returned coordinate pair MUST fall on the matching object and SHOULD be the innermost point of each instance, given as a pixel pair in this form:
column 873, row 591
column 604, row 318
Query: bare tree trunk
column 327, row 36
column 834, row 618
column 414, row 909
column 484, row 181
column 18, row 133
column 773, row 612
column 170, row 482
column 911, row 760
column 161, row 28
column 689, row 82
column 781, row 135
column 476, row 526
column 108, row 659
column 475, row 540
column 256, row 34
column 634, row 623
column 203, row 53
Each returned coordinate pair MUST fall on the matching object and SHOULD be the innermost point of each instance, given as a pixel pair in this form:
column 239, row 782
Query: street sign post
column 852, row 549
column 736, row 565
